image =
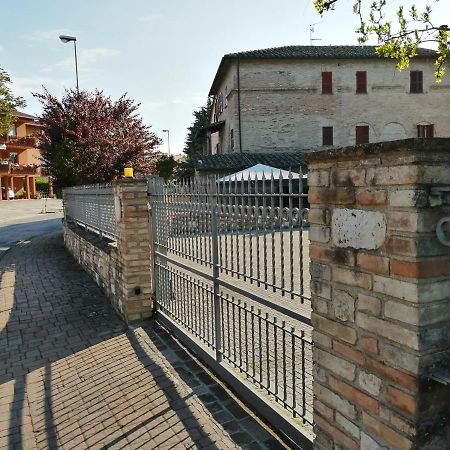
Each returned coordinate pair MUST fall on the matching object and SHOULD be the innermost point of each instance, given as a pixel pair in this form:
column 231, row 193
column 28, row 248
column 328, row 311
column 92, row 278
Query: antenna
column 311, row 33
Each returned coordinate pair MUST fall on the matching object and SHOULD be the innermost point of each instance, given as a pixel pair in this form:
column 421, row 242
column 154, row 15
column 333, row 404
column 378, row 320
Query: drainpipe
column 239, row 103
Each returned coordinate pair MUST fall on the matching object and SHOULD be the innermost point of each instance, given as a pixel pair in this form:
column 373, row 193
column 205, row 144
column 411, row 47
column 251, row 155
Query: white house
column 302, row 98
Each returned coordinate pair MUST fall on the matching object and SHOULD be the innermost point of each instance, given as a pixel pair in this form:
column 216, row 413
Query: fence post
column 134, row 241
column 380, row 295
column 213, row 204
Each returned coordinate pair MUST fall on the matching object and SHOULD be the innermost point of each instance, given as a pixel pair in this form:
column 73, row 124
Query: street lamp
column 168, row 141
column 73, row 39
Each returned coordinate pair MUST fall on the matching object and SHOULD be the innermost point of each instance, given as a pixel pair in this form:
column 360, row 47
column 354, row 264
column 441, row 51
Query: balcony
column 7, row 168
column 24, row 142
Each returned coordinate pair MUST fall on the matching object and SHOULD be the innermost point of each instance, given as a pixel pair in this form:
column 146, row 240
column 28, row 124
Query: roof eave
column 224, row 63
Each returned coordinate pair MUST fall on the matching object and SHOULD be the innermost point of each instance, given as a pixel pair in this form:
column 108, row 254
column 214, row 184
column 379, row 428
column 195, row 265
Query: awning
column 258, row 171
column 213, row 127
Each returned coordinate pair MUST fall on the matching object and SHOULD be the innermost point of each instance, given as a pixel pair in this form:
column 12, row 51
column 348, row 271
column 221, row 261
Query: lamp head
column 165, row 131
column 67, row 39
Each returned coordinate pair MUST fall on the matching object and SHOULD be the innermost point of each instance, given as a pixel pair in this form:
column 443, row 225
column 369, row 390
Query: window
column 327, row 135
column 327, row 82
column 416, row 82
column 220, row 103
column 232, row 140
column 362, row 134
column 12, row 131
column 361, row 82
column 425, row 131
column 218, row 107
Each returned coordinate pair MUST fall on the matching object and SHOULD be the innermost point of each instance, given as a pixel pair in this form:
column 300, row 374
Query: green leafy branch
column 401, row 40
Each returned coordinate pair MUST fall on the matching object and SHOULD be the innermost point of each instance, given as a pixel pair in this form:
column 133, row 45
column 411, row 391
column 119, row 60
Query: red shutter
column 362, row 134
column 327, row 82
column 425, row 131
column 361, row 82
column 416, row 81
column 327, row 135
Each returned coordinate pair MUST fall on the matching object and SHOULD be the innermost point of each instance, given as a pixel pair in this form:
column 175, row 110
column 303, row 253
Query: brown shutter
column 327, row 135
column 327, row 82
column 425, row 131
column 362, row 134
column 416, row 81
column 361, row 82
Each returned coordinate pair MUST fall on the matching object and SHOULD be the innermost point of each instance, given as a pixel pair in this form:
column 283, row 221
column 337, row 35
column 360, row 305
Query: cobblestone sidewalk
column 73, row 376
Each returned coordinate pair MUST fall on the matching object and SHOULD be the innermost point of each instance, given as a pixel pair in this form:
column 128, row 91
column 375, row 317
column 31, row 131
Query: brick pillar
column 27, row 181
column 134, row 253
column 50, row 187
column 380, row 295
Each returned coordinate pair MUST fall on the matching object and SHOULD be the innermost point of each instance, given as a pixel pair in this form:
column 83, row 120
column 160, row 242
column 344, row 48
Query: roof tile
column 319, row 52
column 241, row 161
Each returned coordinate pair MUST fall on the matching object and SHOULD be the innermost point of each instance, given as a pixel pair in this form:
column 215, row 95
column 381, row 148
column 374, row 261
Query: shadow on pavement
column 72, row 376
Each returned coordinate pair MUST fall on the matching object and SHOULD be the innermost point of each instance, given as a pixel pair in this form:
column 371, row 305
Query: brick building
column 300, row 98
column 20, row 158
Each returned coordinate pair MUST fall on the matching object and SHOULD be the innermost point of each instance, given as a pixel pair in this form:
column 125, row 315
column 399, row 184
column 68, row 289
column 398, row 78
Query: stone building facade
column 311, row 97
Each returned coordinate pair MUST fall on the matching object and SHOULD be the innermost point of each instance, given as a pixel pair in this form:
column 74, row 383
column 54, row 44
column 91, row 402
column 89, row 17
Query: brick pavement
column 72, row 375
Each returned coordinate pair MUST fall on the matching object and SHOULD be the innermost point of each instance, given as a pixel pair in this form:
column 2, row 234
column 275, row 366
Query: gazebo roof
column 258, row 171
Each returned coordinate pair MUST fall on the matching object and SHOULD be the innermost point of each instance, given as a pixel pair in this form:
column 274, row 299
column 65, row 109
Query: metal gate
column 232, row 282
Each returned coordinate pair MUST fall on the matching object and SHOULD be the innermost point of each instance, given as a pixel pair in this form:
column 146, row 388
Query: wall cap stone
column 431, row 146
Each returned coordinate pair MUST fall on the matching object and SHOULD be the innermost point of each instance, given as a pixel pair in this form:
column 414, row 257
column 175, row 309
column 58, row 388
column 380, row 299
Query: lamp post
column 73, row 39
column 168, row 141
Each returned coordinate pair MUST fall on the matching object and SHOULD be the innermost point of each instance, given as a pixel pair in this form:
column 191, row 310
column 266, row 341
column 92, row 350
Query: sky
column 162, row 53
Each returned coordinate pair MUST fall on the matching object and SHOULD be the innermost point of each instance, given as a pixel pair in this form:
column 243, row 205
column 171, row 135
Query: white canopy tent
column 257, row 172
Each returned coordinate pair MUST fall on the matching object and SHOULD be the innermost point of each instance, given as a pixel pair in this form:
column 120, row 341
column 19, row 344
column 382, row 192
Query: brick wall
column 283, row 109
column 122, row 269
column 380, row 295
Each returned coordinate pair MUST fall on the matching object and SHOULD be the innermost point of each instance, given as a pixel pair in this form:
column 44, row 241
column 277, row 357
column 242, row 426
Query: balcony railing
column 7, row 168
column 26, row 141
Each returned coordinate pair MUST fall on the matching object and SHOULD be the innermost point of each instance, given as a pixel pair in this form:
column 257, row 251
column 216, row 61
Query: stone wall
column 380, row 295
column 122, row 269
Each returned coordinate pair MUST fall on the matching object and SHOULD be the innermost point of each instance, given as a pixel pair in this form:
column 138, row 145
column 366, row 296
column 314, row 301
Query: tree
column 195, row 136
column 164, row 166
column 399, row 41
column 195, row 140
column 8, row 103
column 89, row 138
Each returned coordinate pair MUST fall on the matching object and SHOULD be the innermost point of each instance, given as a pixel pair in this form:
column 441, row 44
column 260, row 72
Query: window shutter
column 416, row 81
column 362, row 134
column 327, row 82
column 425, row 131
column 327, row 135
column 361, row 82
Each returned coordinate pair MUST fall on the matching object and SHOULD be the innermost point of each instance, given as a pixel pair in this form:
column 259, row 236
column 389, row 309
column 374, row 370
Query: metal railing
column 20, row 141
column 19, row 169
column 232, row 280
column 93, row 207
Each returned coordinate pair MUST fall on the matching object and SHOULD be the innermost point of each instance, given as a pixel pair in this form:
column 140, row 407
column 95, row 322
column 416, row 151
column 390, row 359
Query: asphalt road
column 24, row 219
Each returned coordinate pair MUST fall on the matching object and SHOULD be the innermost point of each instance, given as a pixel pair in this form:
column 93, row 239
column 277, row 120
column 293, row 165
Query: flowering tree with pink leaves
column 89, row 138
